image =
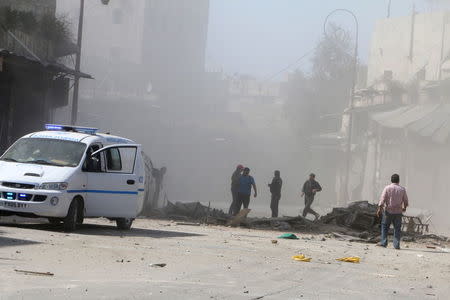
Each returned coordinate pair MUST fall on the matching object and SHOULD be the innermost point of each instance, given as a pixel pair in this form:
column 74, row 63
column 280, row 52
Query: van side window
column 113, row 159
column 120, row 160
column 93, row 164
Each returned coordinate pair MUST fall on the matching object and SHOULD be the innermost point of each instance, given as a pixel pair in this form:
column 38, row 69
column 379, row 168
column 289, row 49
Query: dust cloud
column 207, row 85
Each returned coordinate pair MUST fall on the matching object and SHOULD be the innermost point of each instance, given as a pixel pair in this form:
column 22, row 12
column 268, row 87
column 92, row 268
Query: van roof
column 79, row 137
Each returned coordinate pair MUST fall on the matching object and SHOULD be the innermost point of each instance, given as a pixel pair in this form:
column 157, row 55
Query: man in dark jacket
column 235, row 188
column 275, row 190
column 309, row 190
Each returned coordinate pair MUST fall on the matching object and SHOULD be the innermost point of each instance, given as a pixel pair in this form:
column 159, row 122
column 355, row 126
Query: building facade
column 33, row 82
column 402, row 118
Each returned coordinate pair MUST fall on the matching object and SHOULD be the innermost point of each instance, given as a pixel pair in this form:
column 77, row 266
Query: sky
column 261, row 37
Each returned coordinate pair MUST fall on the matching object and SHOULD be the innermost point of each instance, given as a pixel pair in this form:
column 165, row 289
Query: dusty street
column 100, row 262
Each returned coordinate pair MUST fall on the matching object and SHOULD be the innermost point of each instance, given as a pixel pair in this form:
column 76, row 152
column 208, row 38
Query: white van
column 69, row 173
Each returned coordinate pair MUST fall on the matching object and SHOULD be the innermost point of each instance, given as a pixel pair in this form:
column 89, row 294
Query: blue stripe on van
column 141, row 190
column 103, row 192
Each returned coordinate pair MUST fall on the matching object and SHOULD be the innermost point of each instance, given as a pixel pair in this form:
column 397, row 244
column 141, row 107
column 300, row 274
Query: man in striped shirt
column 393, row 203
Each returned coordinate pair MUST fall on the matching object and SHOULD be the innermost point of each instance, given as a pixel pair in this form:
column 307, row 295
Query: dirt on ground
column 161, row 259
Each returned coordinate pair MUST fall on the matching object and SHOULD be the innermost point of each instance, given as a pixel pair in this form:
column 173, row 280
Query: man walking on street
column 246, row 182
column 235, row 188
column 309, row 190
column 275, row 190
column 394, row 202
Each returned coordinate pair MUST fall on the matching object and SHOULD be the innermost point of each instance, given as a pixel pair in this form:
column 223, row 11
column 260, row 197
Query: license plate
column 13, row 204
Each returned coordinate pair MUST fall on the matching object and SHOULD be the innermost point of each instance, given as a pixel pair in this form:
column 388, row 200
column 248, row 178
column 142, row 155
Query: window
column 121, row 159
column 113, row 159
column 93, row 163
column 46, row 151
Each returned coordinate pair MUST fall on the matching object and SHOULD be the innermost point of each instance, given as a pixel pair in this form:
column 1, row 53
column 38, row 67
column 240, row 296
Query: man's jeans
column 396, row 219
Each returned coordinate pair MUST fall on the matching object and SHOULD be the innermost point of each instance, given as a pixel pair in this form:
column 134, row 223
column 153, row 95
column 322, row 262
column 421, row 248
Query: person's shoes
column 397, row 248
column 381, row 245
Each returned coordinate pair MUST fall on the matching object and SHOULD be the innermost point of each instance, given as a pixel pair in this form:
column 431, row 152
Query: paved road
column 100, row 262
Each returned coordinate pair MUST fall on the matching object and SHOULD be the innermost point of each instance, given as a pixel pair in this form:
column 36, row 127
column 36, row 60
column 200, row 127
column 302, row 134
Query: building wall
column 174, row 46
column 391, row 46
column 38, row 7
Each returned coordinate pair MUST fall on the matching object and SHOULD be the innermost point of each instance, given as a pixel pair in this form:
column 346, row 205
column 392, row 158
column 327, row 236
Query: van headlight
column 58, row 186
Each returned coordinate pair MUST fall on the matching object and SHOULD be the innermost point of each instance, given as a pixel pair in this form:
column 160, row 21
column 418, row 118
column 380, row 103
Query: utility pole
column 344, row 195
column 76, row 85
column 389, row 9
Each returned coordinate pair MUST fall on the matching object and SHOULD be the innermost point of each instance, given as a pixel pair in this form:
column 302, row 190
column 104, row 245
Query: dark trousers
column 234, row 195
column 274, row 204
column 243, row 200
column 395, row 219
column 309, row 199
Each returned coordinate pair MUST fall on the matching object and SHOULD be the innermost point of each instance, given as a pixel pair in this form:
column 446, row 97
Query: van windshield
column 51, row 152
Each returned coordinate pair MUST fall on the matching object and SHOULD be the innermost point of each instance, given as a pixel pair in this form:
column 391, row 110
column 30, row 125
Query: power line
column 288, row 66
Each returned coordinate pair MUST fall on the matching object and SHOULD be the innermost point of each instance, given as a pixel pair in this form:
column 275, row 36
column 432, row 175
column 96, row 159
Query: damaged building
column 33, row 79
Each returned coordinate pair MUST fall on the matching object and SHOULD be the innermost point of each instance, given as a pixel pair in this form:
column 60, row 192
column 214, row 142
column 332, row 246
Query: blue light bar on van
column 86, row 130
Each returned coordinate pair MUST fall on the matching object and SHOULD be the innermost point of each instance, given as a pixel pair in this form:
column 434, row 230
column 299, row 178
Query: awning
column 429, row 120
column 50, row 66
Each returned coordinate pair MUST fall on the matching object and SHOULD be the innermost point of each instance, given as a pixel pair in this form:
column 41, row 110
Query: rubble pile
column 191, row 211
column 283, row 223
column 197, row 212
column 359, row 216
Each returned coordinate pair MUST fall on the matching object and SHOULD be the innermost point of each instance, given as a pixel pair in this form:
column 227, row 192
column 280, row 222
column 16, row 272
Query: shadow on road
column 104, row 230
column 8, row 242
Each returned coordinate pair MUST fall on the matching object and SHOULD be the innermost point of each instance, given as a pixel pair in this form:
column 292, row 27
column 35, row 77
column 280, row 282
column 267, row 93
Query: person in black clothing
column 309, row 190
column 275, row 190
column 235, row 188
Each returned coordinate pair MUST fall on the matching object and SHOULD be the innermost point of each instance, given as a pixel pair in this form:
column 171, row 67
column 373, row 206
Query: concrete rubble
column 355, row 223
column 359, row 215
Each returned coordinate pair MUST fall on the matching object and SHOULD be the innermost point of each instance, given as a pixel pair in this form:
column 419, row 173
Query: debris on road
column 187, row 224
column 34, row 273
column 239, row 218
column 359, row 215
column 160, row 265
column 301, row 257
column 355, row 223
column 289, row 236
column 351, row 259
column 274, row 242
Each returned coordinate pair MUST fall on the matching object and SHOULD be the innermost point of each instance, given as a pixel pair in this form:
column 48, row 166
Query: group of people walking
column 392, row 205
column 242, row 184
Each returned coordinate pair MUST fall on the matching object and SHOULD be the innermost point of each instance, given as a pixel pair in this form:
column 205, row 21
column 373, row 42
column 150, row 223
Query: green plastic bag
column 290, row 236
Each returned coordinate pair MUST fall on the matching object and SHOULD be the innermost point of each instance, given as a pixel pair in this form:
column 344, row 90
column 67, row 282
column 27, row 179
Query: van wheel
column 70, row 221
column 124, row 223
column 54, row 221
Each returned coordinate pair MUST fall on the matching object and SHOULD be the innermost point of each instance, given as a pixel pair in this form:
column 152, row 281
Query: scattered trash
column 162, row 265
column 350, row 259
column 431, row 247
column 34, row 273
column 301, row 257
column 274, row 242
column 289, row 236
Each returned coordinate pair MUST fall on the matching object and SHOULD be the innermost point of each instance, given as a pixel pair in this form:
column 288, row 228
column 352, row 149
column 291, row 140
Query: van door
column 114, row 192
